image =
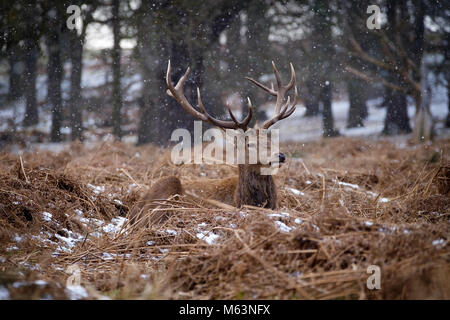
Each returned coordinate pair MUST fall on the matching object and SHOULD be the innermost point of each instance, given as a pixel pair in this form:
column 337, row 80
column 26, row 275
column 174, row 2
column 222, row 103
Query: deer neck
column 255, row 189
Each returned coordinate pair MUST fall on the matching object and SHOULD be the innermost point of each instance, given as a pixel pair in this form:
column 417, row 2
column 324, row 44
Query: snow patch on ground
column 283, row 227
column 115, row 225
column 438, row 243
column 4, row 293
column 96, row 189
column 171, row 232
column 47, row 216
column 296, row 192
column 76, row 292
column 208, row 236
column 278, row 215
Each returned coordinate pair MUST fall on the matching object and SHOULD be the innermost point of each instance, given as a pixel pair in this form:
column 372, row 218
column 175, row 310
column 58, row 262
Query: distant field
column 345, row 204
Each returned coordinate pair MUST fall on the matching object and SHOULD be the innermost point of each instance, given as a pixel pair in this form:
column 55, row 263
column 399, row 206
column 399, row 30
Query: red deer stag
column 249, row 187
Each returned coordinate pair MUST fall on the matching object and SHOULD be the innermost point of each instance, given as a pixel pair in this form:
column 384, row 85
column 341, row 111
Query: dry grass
column 345, row 204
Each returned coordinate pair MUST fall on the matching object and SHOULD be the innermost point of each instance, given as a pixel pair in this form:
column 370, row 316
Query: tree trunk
column 76, row 108
column 161, row 114
column 327, row 113
column 31, row 56
column 322, row 25
column 55, row 72
column 358, row 107
column 396, row 121
column 447, row 123
column 447, row 77
column 311, row 99
column 16, row 71
column 417, row 45
column 116, row 87
column 147, row 46
column 31, row 53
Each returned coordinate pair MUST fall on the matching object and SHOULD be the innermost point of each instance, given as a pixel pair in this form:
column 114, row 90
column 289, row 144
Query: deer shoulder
column 164, row 188
column 222, row 190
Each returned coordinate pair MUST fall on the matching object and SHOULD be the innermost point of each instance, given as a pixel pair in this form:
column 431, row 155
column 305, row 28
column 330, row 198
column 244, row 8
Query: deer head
column 254, row 188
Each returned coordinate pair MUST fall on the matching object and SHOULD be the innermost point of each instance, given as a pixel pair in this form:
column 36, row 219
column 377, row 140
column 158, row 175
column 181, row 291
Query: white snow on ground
column 23, row 283
column 67, row 243
column 47, row 216
column 115, row 225
column 439, row 243
column 208, row 236
column 17, row 238
column 279, row 215
column 356, row 187
column 76, row 292
column 351, row 185
column 4, row 293
column 171, row 232
column 296, row 192
column 96, row 189
column 283, row 227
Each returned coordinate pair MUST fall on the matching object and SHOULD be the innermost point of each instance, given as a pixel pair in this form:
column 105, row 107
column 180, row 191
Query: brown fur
column 222, row 190
column 164, row 188
column 255, row 189
column 248, row 188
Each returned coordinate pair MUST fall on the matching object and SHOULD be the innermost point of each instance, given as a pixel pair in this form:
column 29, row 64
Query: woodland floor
column 345, row 204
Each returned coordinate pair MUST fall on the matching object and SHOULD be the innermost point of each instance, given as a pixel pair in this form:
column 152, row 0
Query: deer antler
column 281, row 111
column 177, row 93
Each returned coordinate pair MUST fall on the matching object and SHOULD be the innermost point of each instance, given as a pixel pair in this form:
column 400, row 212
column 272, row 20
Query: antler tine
column 212, row 120
column 293, row 107
column 231, row 113
column 281, row 110
column 247, row 119
column 270, row 91
column 277, row 116
column 292, row 81
column 281, row 89
column 180, row 83
column 244, row 123
column 277, row 75
column 177, row 93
